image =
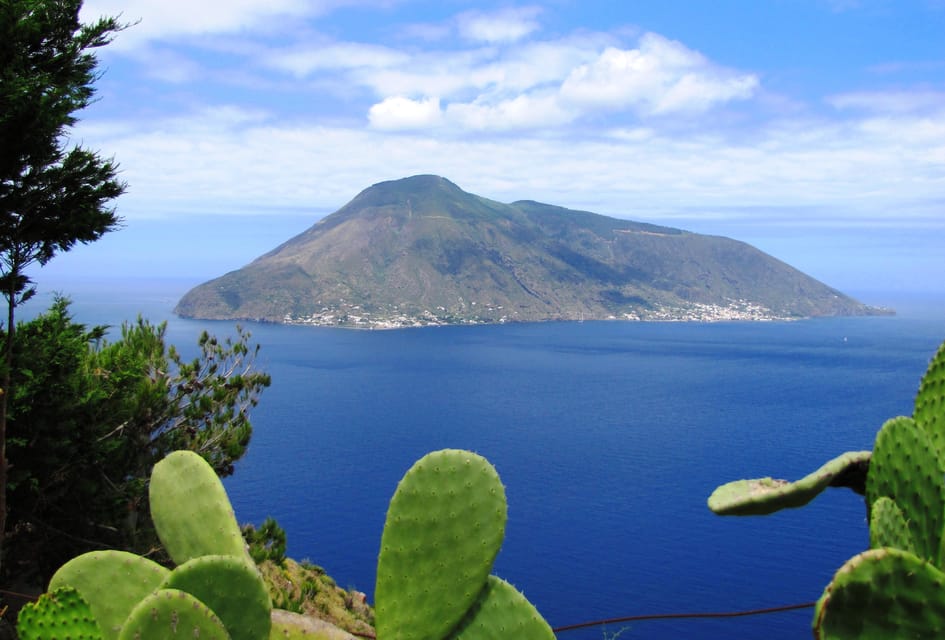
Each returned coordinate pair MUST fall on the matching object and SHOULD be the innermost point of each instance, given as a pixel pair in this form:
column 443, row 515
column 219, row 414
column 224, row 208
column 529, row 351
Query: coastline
column 354, row 317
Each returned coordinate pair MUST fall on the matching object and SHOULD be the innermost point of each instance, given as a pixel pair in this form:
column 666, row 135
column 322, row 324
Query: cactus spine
column 61, row 613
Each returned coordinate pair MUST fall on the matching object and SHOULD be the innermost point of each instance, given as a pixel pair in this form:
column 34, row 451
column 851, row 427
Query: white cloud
column 889, row 101
column 303, row 61
column 233, row 161
column 399, row 113
column 521, row 112
column 169, row 19
column 531, row 84
column 661, row 76
column 507, row 25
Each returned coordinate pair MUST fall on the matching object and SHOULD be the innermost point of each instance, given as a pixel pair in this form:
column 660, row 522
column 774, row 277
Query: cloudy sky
column 814, row 129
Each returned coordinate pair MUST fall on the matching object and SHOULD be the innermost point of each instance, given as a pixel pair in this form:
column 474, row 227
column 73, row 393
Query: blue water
column 608, row 436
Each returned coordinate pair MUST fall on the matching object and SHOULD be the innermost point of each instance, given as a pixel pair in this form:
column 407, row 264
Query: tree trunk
column 5, row 380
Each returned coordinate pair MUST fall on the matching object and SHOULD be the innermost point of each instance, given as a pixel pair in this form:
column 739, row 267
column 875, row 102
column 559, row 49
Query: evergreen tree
column 90, row 418
column 52, row 195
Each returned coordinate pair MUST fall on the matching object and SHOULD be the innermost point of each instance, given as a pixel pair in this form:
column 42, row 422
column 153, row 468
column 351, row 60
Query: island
column 420, row 251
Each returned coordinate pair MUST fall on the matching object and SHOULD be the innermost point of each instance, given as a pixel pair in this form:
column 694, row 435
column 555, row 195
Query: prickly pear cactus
column 897, row 588
column 170, row 613
column 888, row 527
column 766, row 495
column 443, row 531
column 112, row 582
column 929, row 413
column 907, row 468
column 191, row 511
column 502, row 612
column 58, row 614
column 232, row 589
column 882, row 594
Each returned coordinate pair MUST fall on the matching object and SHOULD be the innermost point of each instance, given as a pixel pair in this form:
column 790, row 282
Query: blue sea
column 609, row 438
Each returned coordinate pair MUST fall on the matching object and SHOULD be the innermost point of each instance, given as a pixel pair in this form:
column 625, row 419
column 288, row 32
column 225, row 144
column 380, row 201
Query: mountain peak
column 414, row 186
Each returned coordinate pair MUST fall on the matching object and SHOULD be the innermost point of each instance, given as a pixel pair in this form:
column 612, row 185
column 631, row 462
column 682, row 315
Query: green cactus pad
column 59, row 614
column 888, row 526
column 232, row 589
column 112, row 582
column 882, row 594
column 906, row 468
column 766, row 495
column 443, row 531
column 930, row 401
column 191, row 511
column 502, row 612
column 167, row 614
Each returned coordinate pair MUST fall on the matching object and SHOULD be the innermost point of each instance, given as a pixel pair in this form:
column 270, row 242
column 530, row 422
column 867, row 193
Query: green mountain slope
column 422, row 251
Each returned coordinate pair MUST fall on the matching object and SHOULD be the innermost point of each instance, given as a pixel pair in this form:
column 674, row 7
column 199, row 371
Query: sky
column 812, row 129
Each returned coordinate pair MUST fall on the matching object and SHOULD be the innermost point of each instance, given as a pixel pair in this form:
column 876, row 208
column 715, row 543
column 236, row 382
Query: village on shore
column 354, row 316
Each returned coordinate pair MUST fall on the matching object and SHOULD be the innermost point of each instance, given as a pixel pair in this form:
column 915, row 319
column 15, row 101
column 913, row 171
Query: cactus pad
column 767, row 495
column 929, row 411
column 906, row 468
column 59, row 614
column 502, row 612
column 443, row 531
column 232, row 588
column 882, row 594
column 888, row 526
column 112, row 582
column 191, row 511
column 167, row 614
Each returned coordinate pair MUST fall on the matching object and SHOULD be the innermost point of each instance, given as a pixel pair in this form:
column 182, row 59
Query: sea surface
column 608, row 436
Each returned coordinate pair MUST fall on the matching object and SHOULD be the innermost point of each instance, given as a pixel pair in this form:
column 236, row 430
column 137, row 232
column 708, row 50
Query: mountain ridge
column 420, row 250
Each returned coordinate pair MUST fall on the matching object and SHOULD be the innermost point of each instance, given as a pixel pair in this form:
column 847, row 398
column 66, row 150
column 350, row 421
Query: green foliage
column 304, row 588
column 266, row 543
column 897, row 588
column 51, row 197
column 90, row 418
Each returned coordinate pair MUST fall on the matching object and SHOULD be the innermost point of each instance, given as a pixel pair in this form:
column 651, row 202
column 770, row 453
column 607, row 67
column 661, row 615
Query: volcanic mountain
column 422, row 251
